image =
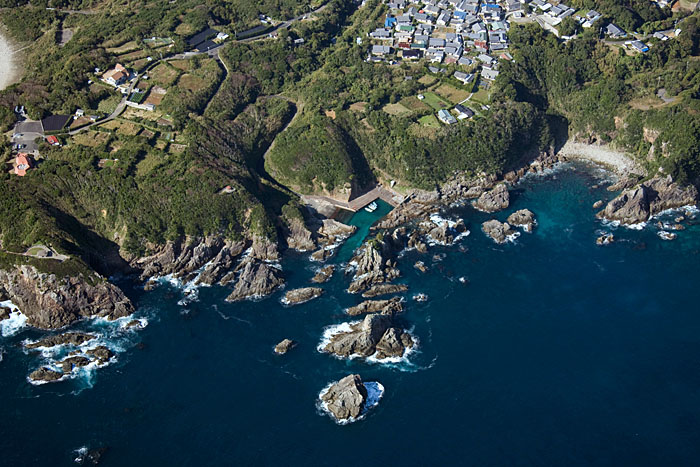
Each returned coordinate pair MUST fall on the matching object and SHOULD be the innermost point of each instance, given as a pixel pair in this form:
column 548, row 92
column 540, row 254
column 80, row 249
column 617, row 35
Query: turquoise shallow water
column 557, row 351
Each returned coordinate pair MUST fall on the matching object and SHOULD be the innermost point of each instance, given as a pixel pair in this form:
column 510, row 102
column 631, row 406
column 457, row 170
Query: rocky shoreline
column 251, row 267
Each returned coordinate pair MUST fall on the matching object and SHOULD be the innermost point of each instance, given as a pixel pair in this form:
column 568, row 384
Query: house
column 640, row 46
column 445, row 117
column 116, row 76
column 79, row 113
column 614, row 31
column 463, row 112
column 52, row 140
column 465, row 78
column 381, row 50
column 23, row 162
column 380, row 34
column 389, row 22
column 412, row 54
column 489, row 74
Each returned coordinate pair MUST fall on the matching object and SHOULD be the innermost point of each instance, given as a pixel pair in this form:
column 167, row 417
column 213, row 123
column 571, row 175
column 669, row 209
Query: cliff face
column 50, row 302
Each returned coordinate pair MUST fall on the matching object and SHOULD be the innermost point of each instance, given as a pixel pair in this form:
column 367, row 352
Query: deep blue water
column 557, row 351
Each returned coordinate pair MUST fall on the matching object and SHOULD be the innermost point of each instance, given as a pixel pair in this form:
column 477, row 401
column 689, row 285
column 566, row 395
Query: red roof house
column 52, row 140
column 22, row 163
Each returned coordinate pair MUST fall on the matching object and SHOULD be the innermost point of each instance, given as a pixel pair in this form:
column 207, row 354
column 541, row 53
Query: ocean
column 551, row 350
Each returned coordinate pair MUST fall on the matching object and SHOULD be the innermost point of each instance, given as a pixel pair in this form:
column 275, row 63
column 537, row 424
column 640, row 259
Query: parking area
column 27, row 136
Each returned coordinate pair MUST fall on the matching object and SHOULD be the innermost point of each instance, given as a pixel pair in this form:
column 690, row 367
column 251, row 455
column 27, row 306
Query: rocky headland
column 52, row 302
column 638, row 204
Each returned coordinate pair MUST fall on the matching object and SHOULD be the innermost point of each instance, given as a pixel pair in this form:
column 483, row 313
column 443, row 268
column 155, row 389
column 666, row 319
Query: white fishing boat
column 371, row 207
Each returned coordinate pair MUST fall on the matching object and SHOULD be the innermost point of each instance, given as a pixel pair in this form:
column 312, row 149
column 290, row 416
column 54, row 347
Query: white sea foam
column 15, row 323
column 375, row 392
column 666, row 235
column 330, row 331
column 81, row 452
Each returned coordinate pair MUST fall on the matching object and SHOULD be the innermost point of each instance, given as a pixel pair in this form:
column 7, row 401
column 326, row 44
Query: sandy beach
column 604, row 155
column 8, row 72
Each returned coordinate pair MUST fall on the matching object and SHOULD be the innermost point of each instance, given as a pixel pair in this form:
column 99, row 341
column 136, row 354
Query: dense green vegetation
column 607, row 94
column 123, row 190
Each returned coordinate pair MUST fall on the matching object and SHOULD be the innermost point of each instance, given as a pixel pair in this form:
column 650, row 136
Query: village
column 461, row 43
column 472, row 37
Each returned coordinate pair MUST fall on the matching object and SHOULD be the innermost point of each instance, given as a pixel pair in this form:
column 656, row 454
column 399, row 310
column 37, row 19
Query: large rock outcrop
column 303, row 295
column 498, row 231
column 346, row 398
column 45, row 375
column 298, row 235
column 390, row 307
column 523, row 218
column 647, row 199
column 376, row 334
column 50, row 302
column 373, row 266
column 68, row 338
column 285, row 346
column 494, row 200
column 183, row 257
column 256, row 279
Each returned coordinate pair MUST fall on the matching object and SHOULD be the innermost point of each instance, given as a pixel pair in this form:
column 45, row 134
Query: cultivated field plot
column 191, row 82
column 414, row 104
column 358, row 107
column 481, row 96
column 78, row 122
column 124, row 48
column 122, row 127
column 164, row 75
column 396, row 110
column 429, row 121
column 133, row 56
column 435, row 101
column 427, row 80
column 451, row 93
column 147, row 164
column 107, row 106
column 183, row 65
column 91, row 139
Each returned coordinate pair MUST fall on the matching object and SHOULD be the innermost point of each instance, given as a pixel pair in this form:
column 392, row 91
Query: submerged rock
column 498, row 231
column 384, row 289
column 494, row 200
column 285, row 346
column 363, row 338
column 605, row 239
column 523, row 218
column 324, row 274
column 346, row 398
column 387, row 307
column 298, row 296
column 68, row 338
column 45, row 374
column 256, row 279
column 651, row 197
